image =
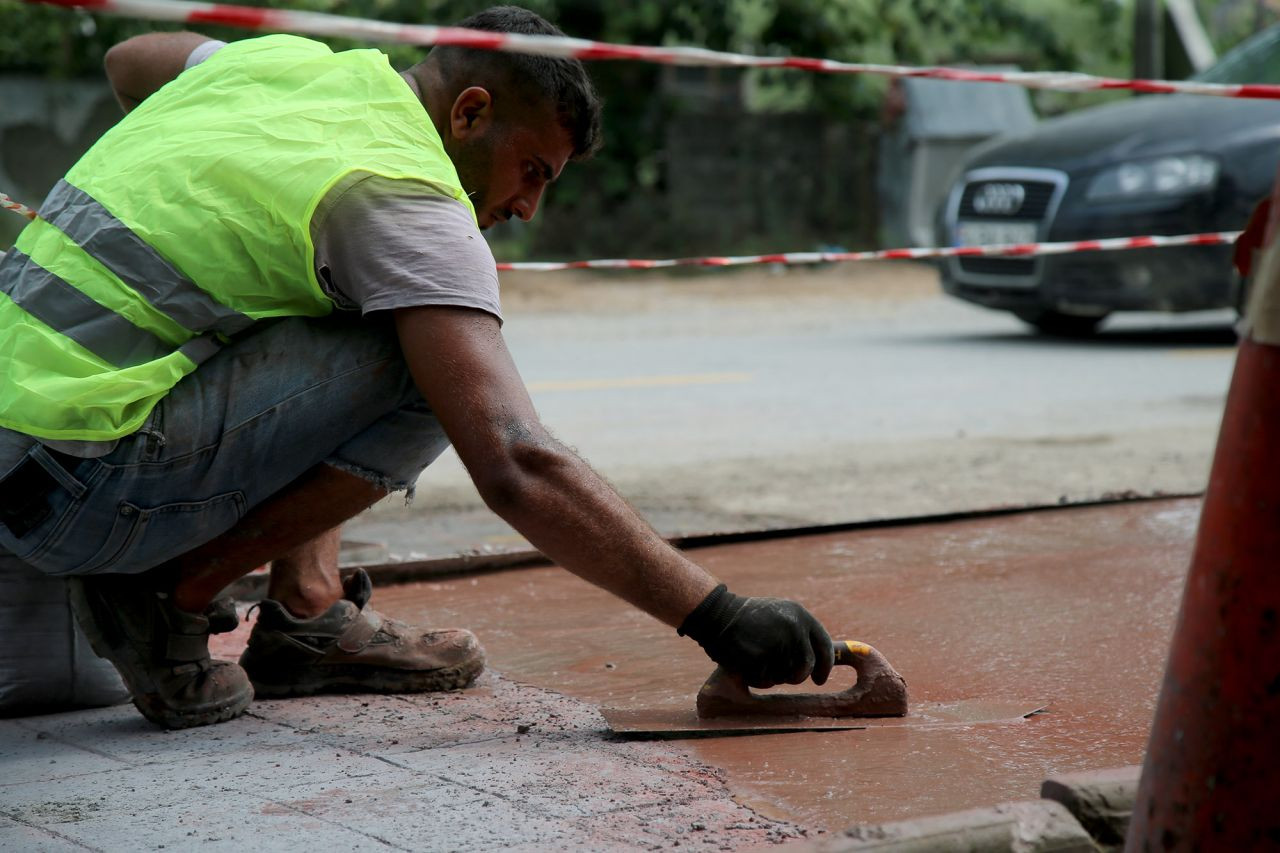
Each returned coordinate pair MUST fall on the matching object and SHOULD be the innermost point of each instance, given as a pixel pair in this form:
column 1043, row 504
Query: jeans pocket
column 55, row 493
column 142, row 538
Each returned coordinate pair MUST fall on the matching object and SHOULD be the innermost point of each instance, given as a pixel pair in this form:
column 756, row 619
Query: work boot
column 161, row 652
column 351, row 648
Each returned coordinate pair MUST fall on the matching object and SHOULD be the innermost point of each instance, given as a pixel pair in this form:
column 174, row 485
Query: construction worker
column 262, row 302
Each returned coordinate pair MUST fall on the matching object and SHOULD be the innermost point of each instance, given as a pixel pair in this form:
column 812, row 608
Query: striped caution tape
column 1216, row 238
column 17, row 207
column 1013, row 250
column 321, row 24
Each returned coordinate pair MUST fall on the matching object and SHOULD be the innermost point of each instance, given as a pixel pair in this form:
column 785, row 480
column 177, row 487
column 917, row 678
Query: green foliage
column 1231, row 21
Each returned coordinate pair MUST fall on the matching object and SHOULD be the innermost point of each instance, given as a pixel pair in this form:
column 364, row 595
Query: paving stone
column 510, row 702
column 380, row 724
column 122, row 733
column 232, row 823
column 271, row 770
column 29, row 839
column 28, row 757
column 500, row 765
column 711, row 823
column 555, row 775
column 121, row 792
column 417, row 811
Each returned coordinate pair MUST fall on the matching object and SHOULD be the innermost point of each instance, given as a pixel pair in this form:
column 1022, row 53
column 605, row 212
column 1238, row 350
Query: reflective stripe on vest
column 101, row 331
column 92, row 227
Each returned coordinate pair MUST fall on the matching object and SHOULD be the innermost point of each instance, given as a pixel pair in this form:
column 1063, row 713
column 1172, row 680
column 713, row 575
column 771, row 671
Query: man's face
column 506, row 168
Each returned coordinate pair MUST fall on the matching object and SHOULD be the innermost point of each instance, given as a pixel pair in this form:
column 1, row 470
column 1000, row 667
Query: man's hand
column 767, row 641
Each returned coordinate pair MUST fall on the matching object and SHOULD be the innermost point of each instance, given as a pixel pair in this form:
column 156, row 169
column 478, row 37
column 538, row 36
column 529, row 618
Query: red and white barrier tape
column 1112, row 244
column 1015, row 250
column 321, row 24
column 17, row 207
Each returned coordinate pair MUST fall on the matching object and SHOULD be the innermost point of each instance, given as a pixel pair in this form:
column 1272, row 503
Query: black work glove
column 767, row 641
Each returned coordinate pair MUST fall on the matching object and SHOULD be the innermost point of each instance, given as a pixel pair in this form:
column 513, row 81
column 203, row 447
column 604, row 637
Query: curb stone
column 1102, row 800
column 1041, row 826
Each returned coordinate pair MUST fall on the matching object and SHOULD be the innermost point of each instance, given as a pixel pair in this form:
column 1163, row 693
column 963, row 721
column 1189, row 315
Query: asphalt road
column 763, row 399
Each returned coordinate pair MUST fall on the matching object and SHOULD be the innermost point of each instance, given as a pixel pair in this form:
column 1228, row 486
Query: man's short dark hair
column 535, row 79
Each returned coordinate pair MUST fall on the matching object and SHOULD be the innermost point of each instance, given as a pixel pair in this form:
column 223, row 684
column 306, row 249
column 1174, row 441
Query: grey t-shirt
column 385, row 243
column 382, row 244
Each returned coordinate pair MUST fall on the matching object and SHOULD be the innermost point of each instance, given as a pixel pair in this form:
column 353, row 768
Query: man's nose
column 527, row 205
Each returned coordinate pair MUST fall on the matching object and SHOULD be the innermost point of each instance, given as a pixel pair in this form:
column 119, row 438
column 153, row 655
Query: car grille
column 1037, row 200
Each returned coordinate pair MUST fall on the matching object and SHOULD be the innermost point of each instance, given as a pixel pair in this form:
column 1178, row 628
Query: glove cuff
column 707, row 620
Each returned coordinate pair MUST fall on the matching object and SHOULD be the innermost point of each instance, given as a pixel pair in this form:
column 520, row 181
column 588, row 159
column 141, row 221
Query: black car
column 1157, row 164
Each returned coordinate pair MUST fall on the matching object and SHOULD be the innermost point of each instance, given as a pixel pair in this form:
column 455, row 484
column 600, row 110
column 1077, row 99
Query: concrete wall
column 731, row 182
column 45, row 125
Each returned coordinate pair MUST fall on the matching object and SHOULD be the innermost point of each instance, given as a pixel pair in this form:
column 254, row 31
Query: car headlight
column 1160, row 176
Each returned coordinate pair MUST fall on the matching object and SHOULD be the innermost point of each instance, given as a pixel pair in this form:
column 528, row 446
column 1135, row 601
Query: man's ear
column 472, row 113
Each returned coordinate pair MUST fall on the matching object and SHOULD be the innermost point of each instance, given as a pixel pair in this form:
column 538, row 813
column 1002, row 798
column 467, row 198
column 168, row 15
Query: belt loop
column 41, row 455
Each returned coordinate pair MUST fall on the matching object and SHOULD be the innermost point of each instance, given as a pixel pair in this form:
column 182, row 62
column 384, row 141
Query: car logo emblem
column 999, row 199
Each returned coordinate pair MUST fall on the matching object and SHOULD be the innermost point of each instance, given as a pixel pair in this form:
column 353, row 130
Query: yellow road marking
column 640, row 382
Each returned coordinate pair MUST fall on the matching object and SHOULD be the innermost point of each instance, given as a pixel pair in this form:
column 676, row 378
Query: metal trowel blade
column 679, row 723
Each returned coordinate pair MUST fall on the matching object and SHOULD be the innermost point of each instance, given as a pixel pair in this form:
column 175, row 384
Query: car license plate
column 969, row 233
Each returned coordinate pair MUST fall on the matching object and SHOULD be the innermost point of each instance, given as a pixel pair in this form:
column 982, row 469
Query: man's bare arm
column 139, row 66
column 541, row 488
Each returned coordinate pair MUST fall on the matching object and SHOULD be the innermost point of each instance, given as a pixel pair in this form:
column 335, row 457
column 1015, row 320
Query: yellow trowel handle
column 851, row 652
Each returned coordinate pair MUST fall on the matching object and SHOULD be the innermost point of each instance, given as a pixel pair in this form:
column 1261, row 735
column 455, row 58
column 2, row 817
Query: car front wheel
column 1061, row 325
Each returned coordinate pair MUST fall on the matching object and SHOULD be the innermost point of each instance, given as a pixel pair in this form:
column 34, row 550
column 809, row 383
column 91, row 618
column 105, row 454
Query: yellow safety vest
column 190, row 220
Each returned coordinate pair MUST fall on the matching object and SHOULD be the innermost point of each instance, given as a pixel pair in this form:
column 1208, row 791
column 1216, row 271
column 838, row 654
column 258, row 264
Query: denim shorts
column 290, row 394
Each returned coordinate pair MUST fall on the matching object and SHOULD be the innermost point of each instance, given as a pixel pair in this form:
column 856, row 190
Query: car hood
column 1136, row 127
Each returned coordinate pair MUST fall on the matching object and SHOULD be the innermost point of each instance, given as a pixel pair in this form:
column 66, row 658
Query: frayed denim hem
column 382, row 481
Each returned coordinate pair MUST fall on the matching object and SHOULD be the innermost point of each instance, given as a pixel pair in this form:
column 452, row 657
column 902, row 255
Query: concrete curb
column 1101, row 800
column 1086, row 812
column 366, row 554
column 1041, row 826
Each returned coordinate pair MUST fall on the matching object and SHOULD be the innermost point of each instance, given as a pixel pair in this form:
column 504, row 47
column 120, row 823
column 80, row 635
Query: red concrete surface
column 1072, row 608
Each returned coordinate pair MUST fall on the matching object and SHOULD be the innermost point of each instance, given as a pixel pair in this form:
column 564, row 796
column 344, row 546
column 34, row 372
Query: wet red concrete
column 1071, row 608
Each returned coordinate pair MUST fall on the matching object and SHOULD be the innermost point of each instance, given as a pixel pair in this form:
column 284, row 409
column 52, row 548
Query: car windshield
column 1257, row 60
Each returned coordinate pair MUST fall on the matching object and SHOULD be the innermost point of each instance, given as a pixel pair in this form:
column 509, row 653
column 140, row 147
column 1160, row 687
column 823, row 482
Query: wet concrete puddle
column 1068, row 608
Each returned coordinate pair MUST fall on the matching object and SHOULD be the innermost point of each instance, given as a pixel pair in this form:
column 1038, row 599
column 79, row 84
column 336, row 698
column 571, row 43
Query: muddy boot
column 161, row 652
column 351, row 648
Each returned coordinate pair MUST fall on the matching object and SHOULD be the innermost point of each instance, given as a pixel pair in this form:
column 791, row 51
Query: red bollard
column 1211, row 780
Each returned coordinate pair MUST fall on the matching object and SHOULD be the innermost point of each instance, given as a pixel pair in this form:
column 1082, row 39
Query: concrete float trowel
column 726, row 706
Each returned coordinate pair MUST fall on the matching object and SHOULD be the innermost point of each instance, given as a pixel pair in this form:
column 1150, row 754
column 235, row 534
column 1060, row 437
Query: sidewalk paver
column 500, row 766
